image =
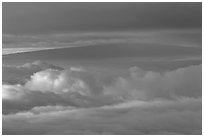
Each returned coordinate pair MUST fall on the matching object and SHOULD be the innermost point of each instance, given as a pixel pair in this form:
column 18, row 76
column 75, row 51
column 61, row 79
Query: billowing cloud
column 140, row 84
column 148, row 85
column 70, row 87
column 19, row 74
column 57, row 82
column 162, row 103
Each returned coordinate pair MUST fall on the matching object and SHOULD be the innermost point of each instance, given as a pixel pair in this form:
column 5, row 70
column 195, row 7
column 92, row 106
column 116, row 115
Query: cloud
column 17, row 98
column 71, row 87
column 147, row 85
column 83, row 88
column 153, row 117
column 12, row 91
column 20, row 74
column 165, row 37
column 82, row 101
column 21, row 50
column 56, row 81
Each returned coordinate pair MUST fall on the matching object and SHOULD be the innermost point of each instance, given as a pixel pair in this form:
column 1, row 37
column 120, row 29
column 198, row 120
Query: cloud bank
column 157, row 117
column 148, row 85
column 80, row 101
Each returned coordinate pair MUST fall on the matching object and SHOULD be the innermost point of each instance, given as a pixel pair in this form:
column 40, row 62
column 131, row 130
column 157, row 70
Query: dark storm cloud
column 24, row 18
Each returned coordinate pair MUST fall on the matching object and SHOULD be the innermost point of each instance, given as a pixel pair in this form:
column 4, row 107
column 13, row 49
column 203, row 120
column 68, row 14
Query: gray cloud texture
column 15, row 74
column 177, row 37
column 80, row 101
column 154, row 117
column 161, row 95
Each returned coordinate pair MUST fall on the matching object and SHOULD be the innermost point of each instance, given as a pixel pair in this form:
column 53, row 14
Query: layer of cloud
column 80, row 87
column 167, row 37
column 138, row 117
column 58, row 101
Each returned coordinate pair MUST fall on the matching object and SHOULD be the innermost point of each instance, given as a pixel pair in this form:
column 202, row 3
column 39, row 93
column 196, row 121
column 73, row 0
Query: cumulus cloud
column 81, row 101
column 85, row 88
column 147, row 85
column 71, row 87
column 57, row 82
column 19, row 74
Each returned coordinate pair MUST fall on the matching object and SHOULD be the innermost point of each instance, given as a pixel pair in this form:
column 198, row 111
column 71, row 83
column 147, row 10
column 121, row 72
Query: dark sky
column 43, row 18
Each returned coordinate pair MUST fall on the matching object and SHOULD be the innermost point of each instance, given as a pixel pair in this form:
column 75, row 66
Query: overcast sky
column 43, row 18
column 102, row 68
